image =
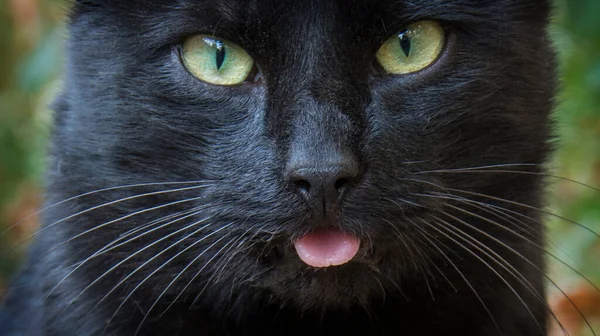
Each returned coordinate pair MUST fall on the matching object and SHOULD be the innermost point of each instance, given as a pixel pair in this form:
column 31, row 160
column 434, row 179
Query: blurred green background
column 31, row 49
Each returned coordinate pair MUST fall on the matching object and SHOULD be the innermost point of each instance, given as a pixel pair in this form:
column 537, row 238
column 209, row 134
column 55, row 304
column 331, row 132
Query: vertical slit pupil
column 220, row 55
column 405, row 43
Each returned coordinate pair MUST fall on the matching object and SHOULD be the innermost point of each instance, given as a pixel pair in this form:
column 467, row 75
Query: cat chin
column 333, row 288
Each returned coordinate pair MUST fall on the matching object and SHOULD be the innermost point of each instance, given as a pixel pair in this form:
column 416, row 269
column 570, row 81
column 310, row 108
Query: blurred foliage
column 577, row 36
column 577, row 39
column 31, row 47
column 30, row 60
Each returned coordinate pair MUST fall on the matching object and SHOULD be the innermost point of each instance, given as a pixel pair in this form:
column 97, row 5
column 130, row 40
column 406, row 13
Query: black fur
column 131, row 114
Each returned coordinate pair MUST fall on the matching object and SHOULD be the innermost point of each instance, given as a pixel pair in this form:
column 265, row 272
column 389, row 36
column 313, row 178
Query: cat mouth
column 327, row 247
column 325, row 267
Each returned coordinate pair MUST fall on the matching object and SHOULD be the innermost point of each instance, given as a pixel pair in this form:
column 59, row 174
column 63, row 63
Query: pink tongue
column 327, row 247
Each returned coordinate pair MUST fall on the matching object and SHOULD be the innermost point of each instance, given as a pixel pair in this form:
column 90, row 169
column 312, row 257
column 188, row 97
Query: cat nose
column 323, row 186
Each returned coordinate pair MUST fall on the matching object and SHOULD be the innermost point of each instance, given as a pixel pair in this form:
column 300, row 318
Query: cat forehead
column 164, row 20
column 241, row 9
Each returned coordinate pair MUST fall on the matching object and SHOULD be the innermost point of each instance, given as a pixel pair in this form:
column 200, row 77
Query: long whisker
column 161, row 266
column 424, row 232
column 421, row 264
column 400, row 238
column 397, row 286
column 105, row 224
column 130, row 216
column 499, row 212
column 425, row 273
column 423, row 182
column 491, row 209
column 441, row 243
column 178, row 217
column 468, row 201
column 504, row 214
column 109, row 247
column 144, row 264
column 467, row 282
column 495, row 210
column 426, row 259
column 501, row 165
column 480, row 170
column 527, row 206
column 555, row 257
column 524, row 280
column 239, row 248
column 105, row 205
column 177, row 277
column 403, row 201
column 92, row 193
column 582, row 276
column 212, row 277
column 481, row 247
column 193, row 261
column 522, row 257
column 382, row 288
column 447, row 192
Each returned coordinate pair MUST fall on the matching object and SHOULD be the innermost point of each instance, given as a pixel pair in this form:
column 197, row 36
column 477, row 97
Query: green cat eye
column 413, row 49
column 216, row 61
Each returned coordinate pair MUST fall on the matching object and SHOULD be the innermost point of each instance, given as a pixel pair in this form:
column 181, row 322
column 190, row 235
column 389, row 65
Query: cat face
column 318, row 135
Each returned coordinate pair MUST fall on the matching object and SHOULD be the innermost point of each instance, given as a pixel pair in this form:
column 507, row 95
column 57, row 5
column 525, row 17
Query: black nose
column 323, row 186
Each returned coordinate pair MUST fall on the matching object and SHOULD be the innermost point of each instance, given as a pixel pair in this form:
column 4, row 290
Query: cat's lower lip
column 327, row 247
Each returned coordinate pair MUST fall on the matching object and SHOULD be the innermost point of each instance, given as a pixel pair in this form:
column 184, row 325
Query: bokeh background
column 31, row 53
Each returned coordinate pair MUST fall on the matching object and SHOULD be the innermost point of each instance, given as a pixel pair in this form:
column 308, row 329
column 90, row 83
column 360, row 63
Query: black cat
column 302, row 167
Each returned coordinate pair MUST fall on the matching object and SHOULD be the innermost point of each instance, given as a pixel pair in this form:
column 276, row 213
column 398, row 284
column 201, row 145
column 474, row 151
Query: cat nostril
column 340, row 184
column 321, row 180
column 323, row 187
column 302, row 186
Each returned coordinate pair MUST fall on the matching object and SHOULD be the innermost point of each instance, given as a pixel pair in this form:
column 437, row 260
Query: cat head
column 311, row 116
